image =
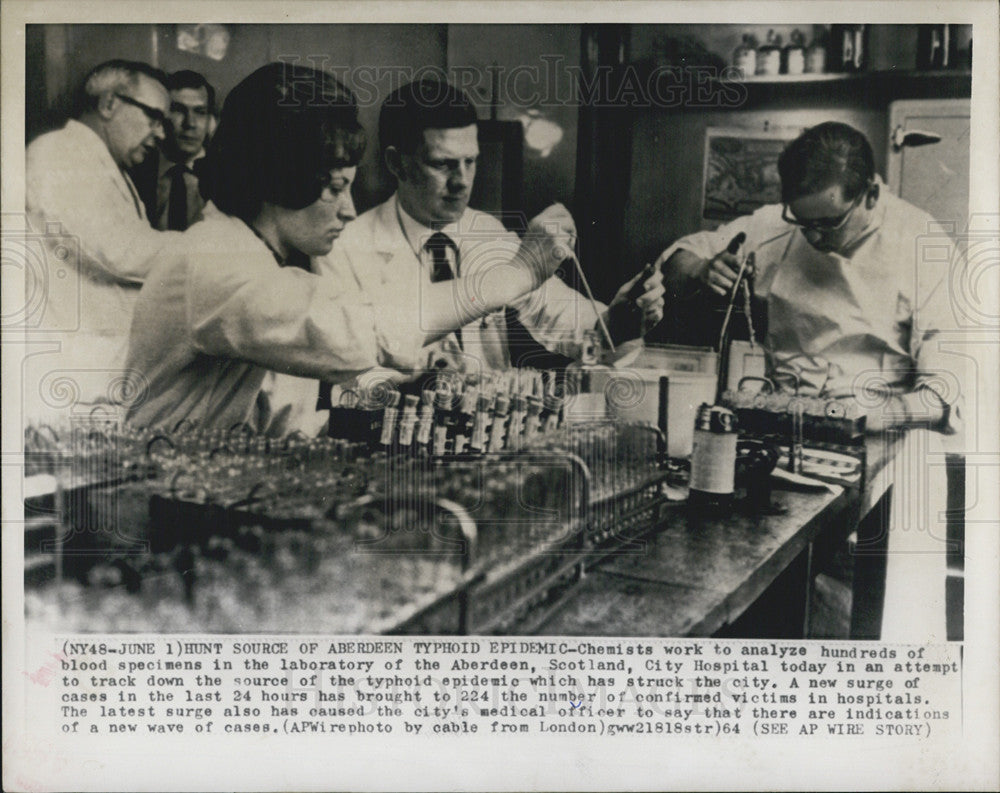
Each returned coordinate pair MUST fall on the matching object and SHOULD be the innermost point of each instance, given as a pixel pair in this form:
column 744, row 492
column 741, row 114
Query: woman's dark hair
column 282, row 130
column 827, row 154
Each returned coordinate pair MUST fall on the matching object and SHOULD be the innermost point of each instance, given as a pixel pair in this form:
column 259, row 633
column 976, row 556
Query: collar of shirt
column 417, row 233
column 166, row 163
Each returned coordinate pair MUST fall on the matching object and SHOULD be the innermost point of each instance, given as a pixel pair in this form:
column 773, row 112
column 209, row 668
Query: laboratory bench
column 699, row 575
column 227, row 539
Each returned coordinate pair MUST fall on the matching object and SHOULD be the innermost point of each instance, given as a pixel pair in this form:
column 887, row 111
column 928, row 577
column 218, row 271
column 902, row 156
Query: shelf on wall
column 697, row 91
column 908, row 74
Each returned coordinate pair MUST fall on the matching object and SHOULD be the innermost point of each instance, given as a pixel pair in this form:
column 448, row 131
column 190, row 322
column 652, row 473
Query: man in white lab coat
column 97, row 241
column 852, row 309
column 426, row 233
column 855, row 310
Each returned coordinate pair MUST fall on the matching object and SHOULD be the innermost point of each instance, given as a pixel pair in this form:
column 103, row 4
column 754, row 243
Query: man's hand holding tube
column 718, row 273
column 641, row 296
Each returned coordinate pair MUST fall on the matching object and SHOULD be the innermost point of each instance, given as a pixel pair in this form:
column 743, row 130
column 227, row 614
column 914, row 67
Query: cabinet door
column 933, row 176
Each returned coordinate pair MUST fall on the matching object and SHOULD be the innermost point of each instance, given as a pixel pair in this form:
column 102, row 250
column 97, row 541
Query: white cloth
column 917, row 552
column 384, row 248
column 218, row 312
column 840, row 323
column 98, row 248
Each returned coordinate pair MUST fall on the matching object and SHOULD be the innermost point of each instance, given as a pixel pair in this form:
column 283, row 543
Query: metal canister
column 713, row 456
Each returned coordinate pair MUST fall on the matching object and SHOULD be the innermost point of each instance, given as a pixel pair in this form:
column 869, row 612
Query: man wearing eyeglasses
column 85, row 211
column 849, row 306
column 854, row 311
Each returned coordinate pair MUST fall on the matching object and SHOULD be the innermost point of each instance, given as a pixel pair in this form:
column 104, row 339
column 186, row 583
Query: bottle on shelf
column 848, row 47
column 425, row 425
column 937, row 47
column 815, row 56
column 551, row 412
column 793, row 58
column 769, row 56
column 745, row 56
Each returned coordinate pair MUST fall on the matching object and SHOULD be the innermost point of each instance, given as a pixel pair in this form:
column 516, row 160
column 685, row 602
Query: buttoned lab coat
column 218, row 312
column 93, row 250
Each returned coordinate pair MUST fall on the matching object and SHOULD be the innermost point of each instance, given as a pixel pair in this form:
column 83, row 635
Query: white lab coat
column 840, row 324
column 218, row 312
column 94, row 248
column 879, row 318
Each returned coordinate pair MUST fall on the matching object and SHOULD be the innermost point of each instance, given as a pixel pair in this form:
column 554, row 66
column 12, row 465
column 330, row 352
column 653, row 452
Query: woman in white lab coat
column 237, row 296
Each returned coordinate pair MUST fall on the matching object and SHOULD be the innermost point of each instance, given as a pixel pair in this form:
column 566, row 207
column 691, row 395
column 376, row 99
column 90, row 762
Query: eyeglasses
column 822, row 224
column 155, row 115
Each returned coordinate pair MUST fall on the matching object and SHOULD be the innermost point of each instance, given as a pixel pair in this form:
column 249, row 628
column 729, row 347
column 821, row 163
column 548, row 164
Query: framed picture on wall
column 741, row 171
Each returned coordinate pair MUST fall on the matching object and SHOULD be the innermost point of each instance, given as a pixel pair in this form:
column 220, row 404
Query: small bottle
column 815, row 62
column 848, row 47
column 444, row 421
column 425, row 426
column 794, row 57
column 531, row 419
column 745, row 56
column 713, row 458
column 769, row 56
column 499, row 428
column 407, row 423
column 587, row 381
column 465, row 418
column 480, row 431
column 515, row 428
column 389, row 418
column 933, row 47
column 551, row 411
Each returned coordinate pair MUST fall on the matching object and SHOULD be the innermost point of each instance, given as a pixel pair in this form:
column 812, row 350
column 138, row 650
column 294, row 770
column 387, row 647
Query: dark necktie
column 437, row 246
column 177, row 211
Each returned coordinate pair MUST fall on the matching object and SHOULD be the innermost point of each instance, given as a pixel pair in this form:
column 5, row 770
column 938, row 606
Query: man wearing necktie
column 168, row 183
column 427, row 233
column 91, row 241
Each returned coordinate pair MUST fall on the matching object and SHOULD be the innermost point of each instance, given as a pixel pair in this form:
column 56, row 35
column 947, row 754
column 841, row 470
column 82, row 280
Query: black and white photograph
column 532, row 345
